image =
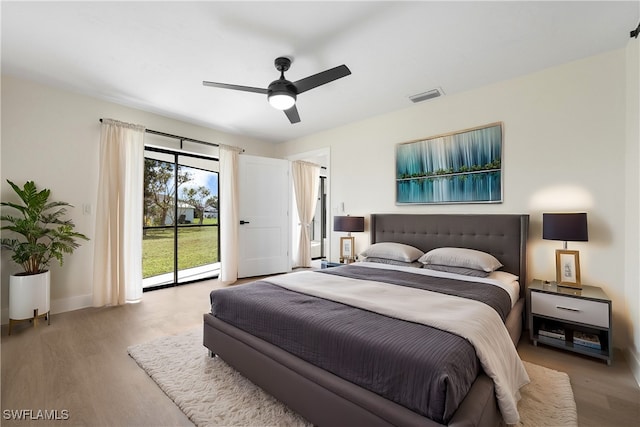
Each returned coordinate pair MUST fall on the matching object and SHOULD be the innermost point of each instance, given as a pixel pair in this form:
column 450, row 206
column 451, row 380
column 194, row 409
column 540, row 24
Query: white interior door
column 265, row 189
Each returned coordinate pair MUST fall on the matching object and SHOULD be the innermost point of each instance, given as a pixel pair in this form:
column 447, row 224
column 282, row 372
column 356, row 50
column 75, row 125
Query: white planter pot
column 29, row 293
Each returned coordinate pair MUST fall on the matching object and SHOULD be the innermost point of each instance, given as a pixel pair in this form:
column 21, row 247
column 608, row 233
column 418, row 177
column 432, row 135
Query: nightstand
column 577, row 320
column 329, row 264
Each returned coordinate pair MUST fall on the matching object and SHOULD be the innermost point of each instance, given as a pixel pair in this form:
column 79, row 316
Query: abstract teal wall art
column 460, row 167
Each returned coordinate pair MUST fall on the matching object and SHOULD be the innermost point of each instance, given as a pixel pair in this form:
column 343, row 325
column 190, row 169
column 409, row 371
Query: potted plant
column 40, row 235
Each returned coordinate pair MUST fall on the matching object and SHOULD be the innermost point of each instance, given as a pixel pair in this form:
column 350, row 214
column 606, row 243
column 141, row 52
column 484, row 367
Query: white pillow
column 461, row 257
column 394, row 251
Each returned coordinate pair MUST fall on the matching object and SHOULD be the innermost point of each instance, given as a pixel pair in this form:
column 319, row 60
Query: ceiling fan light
column 282, row 101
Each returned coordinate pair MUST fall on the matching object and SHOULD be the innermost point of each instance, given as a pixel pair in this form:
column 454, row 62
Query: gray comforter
column 424, row 369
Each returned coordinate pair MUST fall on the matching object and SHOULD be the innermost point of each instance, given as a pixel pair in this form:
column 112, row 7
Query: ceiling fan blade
column 292, row 114
column 236, row 87
column 321, row 78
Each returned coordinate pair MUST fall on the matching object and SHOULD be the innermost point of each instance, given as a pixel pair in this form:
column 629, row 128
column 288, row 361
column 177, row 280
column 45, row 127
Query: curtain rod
column 182, row 138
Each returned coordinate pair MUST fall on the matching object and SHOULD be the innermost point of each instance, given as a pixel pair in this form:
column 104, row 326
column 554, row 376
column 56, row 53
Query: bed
column 294, row 376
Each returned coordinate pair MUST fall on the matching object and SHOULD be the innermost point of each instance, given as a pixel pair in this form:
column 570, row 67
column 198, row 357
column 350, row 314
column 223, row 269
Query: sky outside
column 200, row 178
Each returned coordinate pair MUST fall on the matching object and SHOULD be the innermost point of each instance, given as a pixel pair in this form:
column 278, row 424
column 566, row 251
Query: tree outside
column 200, row 198
column 159, row 188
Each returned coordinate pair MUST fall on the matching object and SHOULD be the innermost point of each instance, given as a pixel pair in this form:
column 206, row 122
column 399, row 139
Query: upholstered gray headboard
column 503, row 236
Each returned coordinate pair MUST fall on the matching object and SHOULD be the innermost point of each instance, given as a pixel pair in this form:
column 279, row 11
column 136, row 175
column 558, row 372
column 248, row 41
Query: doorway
column 320, row 230
column 319, row 223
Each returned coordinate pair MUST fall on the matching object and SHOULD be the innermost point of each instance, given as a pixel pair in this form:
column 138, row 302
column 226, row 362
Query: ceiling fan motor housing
column 282, row 93
column 282, row 89
column 282, row 86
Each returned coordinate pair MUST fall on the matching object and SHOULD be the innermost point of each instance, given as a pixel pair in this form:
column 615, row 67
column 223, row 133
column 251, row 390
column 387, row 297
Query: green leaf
column 41, row 232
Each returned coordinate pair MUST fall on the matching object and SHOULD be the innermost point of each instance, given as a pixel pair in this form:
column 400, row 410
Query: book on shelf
column 587, row 340
column 557, row 333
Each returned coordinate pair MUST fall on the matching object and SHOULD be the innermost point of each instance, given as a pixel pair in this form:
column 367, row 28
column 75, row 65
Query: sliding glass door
column 180, row 230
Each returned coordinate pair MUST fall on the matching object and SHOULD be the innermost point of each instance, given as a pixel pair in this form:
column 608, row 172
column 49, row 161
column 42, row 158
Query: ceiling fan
column 282, row 93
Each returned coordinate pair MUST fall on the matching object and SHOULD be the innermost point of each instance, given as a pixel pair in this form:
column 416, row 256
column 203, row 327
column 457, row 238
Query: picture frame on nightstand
column 346, row 249
column 568, row 268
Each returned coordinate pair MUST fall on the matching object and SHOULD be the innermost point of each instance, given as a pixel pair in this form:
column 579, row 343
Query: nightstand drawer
column 572, row 309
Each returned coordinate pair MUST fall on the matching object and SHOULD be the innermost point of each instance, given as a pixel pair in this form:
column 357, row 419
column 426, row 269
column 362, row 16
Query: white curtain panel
column 117, row 275
column 229, row 215
column 306, row 179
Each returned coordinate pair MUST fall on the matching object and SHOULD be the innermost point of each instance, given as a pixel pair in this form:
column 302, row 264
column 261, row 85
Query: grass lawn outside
column 196, row 246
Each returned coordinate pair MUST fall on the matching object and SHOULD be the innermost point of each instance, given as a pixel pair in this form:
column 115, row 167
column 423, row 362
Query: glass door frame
column 322, row 207
column 175, row 226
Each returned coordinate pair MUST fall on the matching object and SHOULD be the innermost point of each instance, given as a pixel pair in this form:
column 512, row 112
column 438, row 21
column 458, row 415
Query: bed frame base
column 325, row 399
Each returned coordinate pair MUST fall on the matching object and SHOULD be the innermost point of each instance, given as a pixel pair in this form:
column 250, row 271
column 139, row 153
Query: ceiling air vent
column 433, row 93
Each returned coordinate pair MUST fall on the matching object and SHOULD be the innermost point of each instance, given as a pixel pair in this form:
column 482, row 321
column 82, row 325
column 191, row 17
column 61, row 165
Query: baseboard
column 60, row 305
column 4, row 315
column 634, row 363
column 72, row 303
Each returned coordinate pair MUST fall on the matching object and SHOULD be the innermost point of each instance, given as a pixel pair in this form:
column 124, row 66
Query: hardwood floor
column 80, row 364
column 604, row 395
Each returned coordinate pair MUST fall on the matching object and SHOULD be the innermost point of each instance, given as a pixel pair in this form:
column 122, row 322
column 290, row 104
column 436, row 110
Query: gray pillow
column 457, row 270
column 394, row 251
column 461, row 257
column 388, row 261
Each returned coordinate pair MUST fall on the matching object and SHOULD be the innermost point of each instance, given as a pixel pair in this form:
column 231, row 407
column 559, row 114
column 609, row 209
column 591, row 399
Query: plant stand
column 29, row 298
column 35, row 318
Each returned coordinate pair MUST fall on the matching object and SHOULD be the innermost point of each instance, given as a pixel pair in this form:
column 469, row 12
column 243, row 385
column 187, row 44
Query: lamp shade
column 568, row 227
column 348, row 223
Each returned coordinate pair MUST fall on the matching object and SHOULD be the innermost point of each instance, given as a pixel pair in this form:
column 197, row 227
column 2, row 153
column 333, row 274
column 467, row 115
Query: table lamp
column 567, row 227
column 350, row 224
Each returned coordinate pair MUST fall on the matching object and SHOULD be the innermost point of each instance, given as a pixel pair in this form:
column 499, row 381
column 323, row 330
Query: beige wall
column 632, row 196
column 564, row 149
column 52, row 137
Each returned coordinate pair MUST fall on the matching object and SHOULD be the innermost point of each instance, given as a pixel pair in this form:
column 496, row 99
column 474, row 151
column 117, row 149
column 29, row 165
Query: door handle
column 243, row 222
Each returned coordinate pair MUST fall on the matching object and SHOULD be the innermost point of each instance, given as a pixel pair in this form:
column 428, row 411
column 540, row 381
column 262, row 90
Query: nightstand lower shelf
column 570, row 346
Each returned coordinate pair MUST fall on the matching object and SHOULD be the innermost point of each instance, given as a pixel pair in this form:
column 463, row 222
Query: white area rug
column 211, row 393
